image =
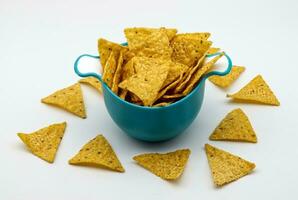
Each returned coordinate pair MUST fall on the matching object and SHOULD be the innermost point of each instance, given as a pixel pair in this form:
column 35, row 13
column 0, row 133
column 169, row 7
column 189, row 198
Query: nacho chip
column 187, row 76
column 70, row 99
column 128, row 71
column 94, row 82
column 105, row 48
column 199, row 73
column 227, row 80
column 110, row 69
column 176, row 69
column 226, row 167
column 168, row 166
column 148, row 80
column 44, row 143
column 154, row 45
column 256, row 91
column 235, row 127
column 197, row 36
column 188, row 50
column 213, row 50
column 117, row 75
column 97, row 153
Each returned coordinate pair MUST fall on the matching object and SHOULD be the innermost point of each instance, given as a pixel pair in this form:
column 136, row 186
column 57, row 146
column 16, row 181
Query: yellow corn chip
column 188, row 50
column 110, row 69
column 153, row 45
column 105, row 48
column 94, row 82
column 117, row 75
column 44, row 143
column 226, row 167
column 70, row 99
column 168, row 166
column 128, row 71
column 185, row 79
column 98, row 153
column 256, row 91
column 197, row 36
column 213, row 50
column 199, row 73
column 235, row 127
column 176, row 69
column 172, row 96
column 227, row 80
column 148, row 80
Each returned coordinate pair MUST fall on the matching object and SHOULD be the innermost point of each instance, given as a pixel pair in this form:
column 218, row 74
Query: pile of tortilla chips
column 157, row 67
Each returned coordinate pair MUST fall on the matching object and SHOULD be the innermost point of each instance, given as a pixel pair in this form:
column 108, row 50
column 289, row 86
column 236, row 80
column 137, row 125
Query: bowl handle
column 87, row 74
column 218, row 73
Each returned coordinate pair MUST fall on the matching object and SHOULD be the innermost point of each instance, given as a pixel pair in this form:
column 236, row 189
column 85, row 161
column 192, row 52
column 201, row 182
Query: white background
column 39, row 41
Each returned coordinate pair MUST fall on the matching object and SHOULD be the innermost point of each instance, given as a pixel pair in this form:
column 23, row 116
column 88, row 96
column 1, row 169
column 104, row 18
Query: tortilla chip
column 110, row 69
column 172, row 96
column 97, row 153
column 94, row 82
column 235, row 127
column 176, row 69
column 168, row 166
column 148, row 80
column 128, row 71
column 70, row 99
column 199, row 73
column 154, row 45
column 44, row 143
column 256, row 91
column 187, row 76
column 213, row 50
column 197, row 36
column 226, row 167
column 188, row 50
column 105, row 48
column 227, row 80
column 117, row 75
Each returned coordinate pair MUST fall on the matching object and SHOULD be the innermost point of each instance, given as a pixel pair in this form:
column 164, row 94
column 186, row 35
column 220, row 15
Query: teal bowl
column 154, row 124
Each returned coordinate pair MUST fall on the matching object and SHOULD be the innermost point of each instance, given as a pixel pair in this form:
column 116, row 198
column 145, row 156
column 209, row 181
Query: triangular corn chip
column 94, row 82
column 110, row 69
column 176, row 69
column 196, row 36
column 148, row 80
column 256, row 91
column 70, row 99
column 168, row 166
column 213, row 50
column 226, row 167
column 227, row 80
column 44, row 143
column 117, row 75
column 98, row 153
column 105, row 48
column 199, row 73
column 234, row 127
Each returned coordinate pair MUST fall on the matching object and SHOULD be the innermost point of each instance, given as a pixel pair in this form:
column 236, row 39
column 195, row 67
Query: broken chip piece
column 226, row 167
column 227, row 80
column 235, row 127
column 98, row 153
column 44, row 143
column 168, row 166
column 256, row 91
column 70, row 99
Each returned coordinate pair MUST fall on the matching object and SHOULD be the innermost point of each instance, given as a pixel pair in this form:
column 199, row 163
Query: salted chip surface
column 155, row 44
column 235, row 127
column 105, row 48
column 110, row 70
column 199, row 73
column 213, row 50
column 196, row 35
column 44, row 143
column 227, row 80
column 92, row 81
column 148, row 80
column 127, row 71
column 168, row 166
column 117, row 75
column 175, row 71
column 98, row 153
column 188, row 50
column 70, row 99
column 226, row 167
column 256, row 91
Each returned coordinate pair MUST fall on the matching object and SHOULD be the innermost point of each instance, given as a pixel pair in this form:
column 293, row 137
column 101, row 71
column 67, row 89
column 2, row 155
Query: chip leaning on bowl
column 155, row 64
